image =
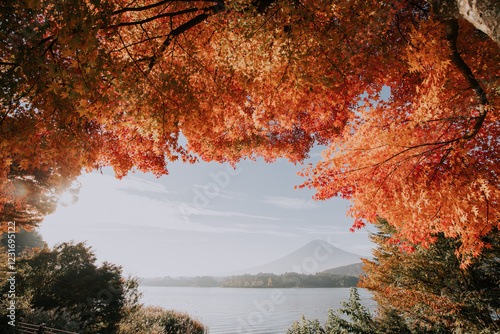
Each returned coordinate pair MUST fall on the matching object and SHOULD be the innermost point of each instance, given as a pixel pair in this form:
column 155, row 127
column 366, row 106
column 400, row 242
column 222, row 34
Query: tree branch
column 139, row 9
column 220, row 7
column 149, row 19
column 143, row 8
column 451, row 36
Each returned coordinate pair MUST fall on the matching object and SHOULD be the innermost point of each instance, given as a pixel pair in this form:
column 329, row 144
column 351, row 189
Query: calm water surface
column 255, row 311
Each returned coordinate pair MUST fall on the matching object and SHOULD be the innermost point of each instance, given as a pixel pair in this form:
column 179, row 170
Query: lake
column 252, row 311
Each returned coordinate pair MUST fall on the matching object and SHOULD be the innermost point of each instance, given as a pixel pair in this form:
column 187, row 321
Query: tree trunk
column 483, row 14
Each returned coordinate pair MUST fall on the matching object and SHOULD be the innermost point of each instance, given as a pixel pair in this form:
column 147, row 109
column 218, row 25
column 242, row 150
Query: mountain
column 315, row 257
column 355, row 270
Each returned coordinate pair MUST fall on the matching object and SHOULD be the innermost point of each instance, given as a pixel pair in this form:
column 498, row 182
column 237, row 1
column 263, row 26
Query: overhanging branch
column 152, row 18
column 451, row 36
column 154, row 5
column 207, row 12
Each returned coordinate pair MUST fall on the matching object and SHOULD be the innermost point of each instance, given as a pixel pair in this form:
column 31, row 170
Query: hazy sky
column 201, row 219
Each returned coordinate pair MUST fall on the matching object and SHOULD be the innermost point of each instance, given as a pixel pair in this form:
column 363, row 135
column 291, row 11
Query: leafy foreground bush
column 60, row 318
column 360, row 321
column 427, row 284
column 65, row 289
column 421, row 289
column 156, row 320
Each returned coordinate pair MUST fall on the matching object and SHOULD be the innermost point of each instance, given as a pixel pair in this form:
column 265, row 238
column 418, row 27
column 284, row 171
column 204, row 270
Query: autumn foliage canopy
column 406, row 100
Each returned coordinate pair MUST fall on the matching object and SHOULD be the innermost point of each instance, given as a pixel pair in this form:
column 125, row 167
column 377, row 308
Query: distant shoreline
column 260, row 281
column 220, row 287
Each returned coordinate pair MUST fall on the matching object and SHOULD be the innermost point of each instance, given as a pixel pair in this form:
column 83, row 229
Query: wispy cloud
column 200, row 211
column 291, row 203
column 198, row 227
column 136, row 184
column 212, row 190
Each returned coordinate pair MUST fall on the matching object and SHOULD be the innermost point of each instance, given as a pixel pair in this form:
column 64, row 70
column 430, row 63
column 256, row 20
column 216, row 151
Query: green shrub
column 59, row 318
column 354, row 318
column 306, row 326
column 156, row 320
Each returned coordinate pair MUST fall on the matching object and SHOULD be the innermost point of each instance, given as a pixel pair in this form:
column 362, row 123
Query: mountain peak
column 314, row 257
column 321, row 243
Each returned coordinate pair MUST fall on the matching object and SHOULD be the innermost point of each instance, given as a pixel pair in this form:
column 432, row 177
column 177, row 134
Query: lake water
column 252, row 311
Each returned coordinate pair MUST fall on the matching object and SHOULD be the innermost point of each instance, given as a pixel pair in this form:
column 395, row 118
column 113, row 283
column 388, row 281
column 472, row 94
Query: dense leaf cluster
column 68, row 279
column 93, row 83
column 428, row 286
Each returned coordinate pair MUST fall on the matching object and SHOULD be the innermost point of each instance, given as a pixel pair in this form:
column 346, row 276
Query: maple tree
column 484, row 15
column 426, row 158
column 112, row 87
column 92, row 83
column 31, row 194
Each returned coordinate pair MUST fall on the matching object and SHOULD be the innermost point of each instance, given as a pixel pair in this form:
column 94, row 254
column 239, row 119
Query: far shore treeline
column 262, row 280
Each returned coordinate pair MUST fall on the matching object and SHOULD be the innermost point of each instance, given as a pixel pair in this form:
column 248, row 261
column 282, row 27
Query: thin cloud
column 137, row 184
column 211, row 190
column 197, row 227
column 290, row 203
column 200, row 211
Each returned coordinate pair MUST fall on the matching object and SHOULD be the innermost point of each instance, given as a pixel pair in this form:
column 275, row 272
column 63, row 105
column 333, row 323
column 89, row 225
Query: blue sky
column 201, row 219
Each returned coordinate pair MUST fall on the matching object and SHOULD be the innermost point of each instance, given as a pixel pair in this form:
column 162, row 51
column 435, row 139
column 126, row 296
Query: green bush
column 306, row 326
column 59, row 318
column 354, row 318
column 156, row 320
